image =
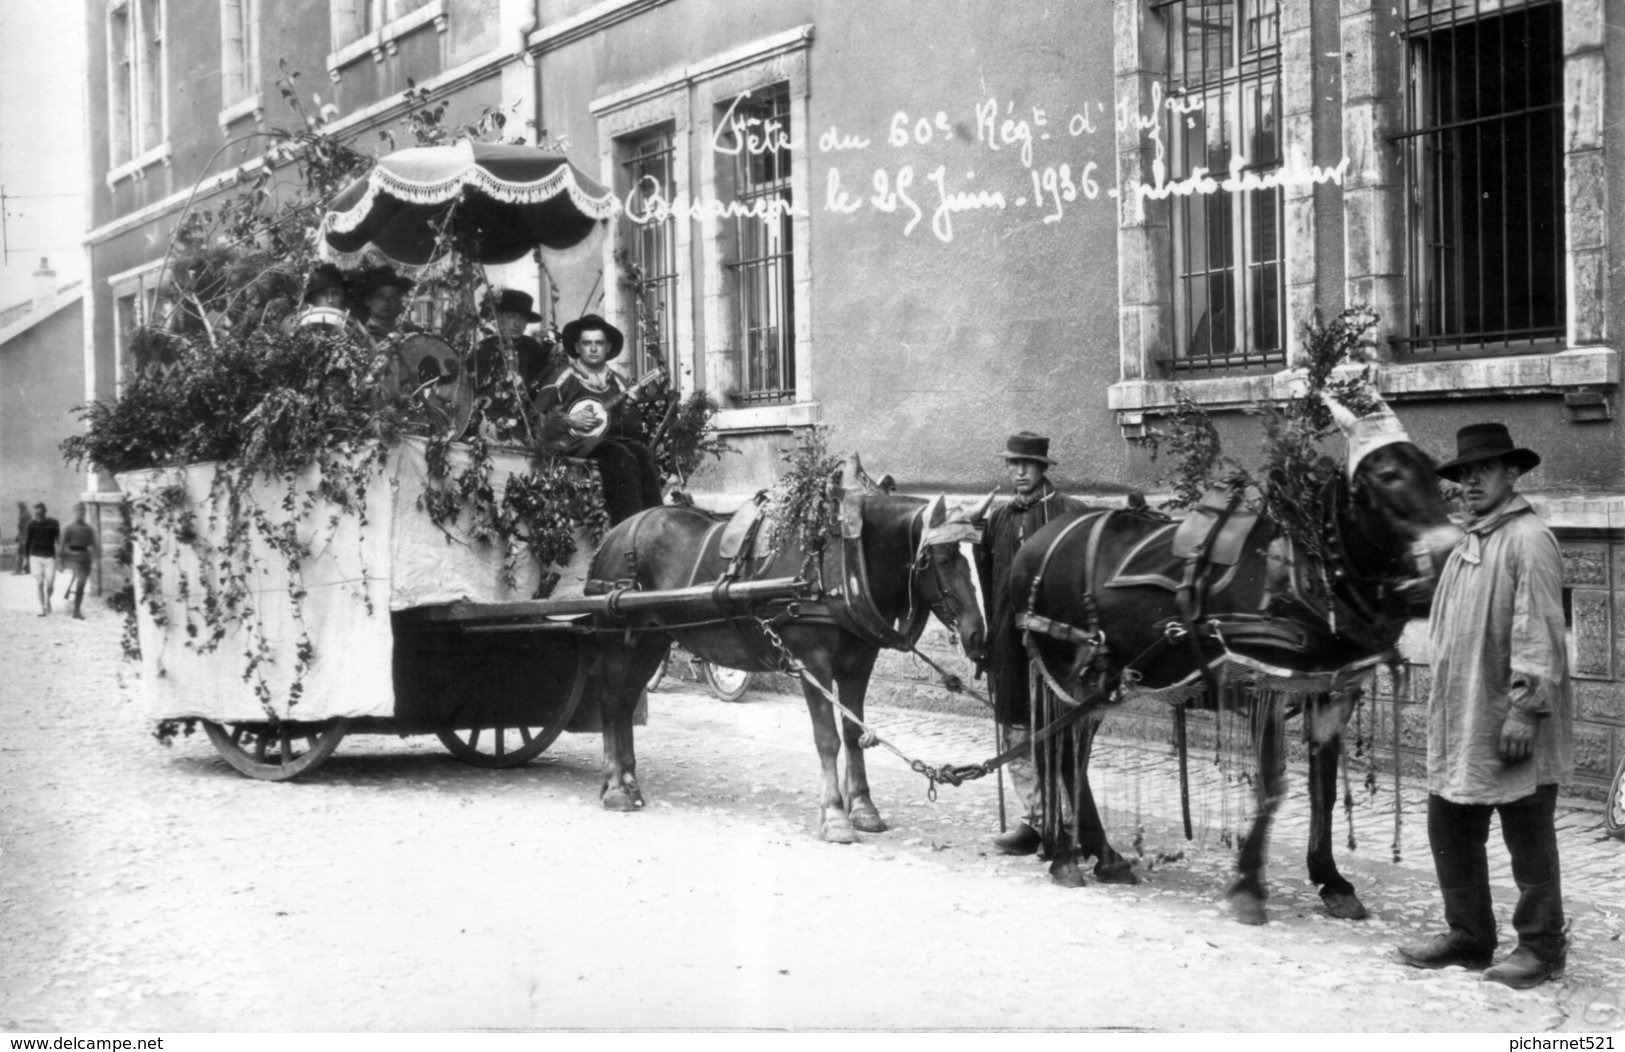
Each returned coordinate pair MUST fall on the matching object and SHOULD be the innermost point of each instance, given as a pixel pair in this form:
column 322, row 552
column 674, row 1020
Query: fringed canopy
column 491, row 202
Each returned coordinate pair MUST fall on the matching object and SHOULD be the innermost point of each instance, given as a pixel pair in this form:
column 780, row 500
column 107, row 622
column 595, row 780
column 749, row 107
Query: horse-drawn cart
column 390, row 623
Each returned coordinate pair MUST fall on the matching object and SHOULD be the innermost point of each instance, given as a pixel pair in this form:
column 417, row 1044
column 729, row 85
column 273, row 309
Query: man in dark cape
column 1035, row 503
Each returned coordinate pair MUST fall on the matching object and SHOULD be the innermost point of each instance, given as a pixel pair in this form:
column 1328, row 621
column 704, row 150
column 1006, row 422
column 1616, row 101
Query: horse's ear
column 887, row 484
column 978, row 512
column 936, row 513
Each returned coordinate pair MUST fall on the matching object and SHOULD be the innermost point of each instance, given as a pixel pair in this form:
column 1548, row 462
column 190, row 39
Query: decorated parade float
column 345, row 522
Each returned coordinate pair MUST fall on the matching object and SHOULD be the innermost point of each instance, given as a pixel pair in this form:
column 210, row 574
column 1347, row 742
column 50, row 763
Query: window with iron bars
column 1484, row 176
column 651, row 248
column 1224, row 115
column 762, row 269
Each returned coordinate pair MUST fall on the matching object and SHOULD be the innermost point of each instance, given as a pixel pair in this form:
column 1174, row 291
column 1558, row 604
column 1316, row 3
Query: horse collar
column 854, row 608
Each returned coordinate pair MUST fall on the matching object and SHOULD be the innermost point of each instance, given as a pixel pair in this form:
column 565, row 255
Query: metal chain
column 954, row 775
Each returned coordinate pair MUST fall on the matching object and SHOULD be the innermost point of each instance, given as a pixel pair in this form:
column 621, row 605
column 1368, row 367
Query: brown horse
column 1121, row 601
column 892, row 559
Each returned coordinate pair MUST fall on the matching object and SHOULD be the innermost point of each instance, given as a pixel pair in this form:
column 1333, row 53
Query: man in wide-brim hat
column 615, row 339
column 626, row 466
column 1500, row 718
column 380, row 297
column 512, row 311
column 1034, row 503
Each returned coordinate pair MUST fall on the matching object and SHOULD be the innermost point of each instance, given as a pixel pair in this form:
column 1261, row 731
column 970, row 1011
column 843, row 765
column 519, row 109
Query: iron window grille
column 763, row 267
column 1483, row 153
column 1223, row 114
column 651, row 247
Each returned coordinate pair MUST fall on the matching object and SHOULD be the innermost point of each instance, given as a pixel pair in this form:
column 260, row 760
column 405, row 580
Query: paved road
column 152, row 888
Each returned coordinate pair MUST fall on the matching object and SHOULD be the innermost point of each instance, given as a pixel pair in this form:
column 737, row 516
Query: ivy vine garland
column 223, row 376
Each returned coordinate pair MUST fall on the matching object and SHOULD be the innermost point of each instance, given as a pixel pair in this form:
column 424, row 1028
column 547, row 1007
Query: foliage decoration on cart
column 288, row 483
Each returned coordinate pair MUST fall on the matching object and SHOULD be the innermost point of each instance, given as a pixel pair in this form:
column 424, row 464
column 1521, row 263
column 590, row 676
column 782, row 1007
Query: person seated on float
column 326, row 302
column 590, row 397
column 380, row 300
column 513, row 310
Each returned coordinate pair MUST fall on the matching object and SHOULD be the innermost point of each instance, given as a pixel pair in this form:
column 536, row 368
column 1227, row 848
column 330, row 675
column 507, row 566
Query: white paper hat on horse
column 1366, row 434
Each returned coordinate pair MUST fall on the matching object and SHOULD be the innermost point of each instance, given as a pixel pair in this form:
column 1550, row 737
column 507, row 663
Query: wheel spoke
column 474, row 738
column 259, row 747
column 285, row 742
column 501, row 734
column 524, row 732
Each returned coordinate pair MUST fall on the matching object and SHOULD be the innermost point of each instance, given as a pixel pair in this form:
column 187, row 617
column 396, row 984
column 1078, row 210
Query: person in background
column 327, row 301
column 22, row 532
column 41, row 542
column 1035, row 502
column 1500, row 719
column 380, row 299
column 513, row 310
column 78, row 550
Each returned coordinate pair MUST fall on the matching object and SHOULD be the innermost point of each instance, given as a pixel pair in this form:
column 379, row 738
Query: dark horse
column 1119, row 601
column 891, row 560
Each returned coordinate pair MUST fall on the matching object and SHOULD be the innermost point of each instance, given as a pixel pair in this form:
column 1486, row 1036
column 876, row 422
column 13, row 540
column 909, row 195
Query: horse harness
column 849, row 604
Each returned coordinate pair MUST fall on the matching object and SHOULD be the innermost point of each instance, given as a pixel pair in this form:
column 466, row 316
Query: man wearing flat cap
column 1035, row 503
column 1500, row 718
column 591, row 399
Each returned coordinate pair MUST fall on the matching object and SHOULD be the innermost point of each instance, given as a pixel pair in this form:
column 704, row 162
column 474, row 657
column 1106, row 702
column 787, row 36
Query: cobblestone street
column 398, row 889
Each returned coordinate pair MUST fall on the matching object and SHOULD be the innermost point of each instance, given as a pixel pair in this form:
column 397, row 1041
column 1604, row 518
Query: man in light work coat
column 1500, row 718
column 1035, row 503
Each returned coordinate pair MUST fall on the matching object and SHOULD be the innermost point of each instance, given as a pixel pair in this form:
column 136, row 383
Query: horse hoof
column 841, row 833
column 1121, row 872
column 867, row 820
column 1066, row 873
column 622, row 800
column 1345, row 906
column 1249, row 908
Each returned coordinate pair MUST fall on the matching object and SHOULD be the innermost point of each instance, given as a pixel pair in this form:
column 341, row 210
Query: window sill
column 383, row 40
column 1530, row 374
column 767, row 417
column 1519, row 374
column 136, row 167
column 253, row 106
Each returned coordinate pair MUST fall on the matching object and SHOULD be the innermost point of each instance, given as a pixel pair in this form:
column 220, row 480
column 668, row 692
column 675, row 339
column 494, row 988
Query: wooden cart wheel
column 1613, row 815
column 729, row 684
column 497, row 747
column 659, row 674
column 276, row 752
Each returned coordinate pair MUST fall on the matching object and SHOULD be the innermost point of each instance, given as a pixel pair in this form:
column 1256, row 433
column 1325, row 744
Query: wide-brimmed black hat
column 370, row 281
column 1477, row 442
column 573, row 331
column 325, row 276
column 1025, row 445
column 514, row 301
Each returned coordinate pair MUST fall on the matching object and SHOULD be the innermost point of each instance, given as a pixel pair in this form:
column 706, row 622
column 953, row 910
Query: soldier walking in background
column 22, row 534
column 78, row 552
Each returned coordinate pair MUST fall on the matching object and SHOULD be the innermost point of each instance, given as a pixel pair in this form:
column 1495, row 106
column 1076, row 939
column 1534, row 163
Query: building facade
column 929, row 224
